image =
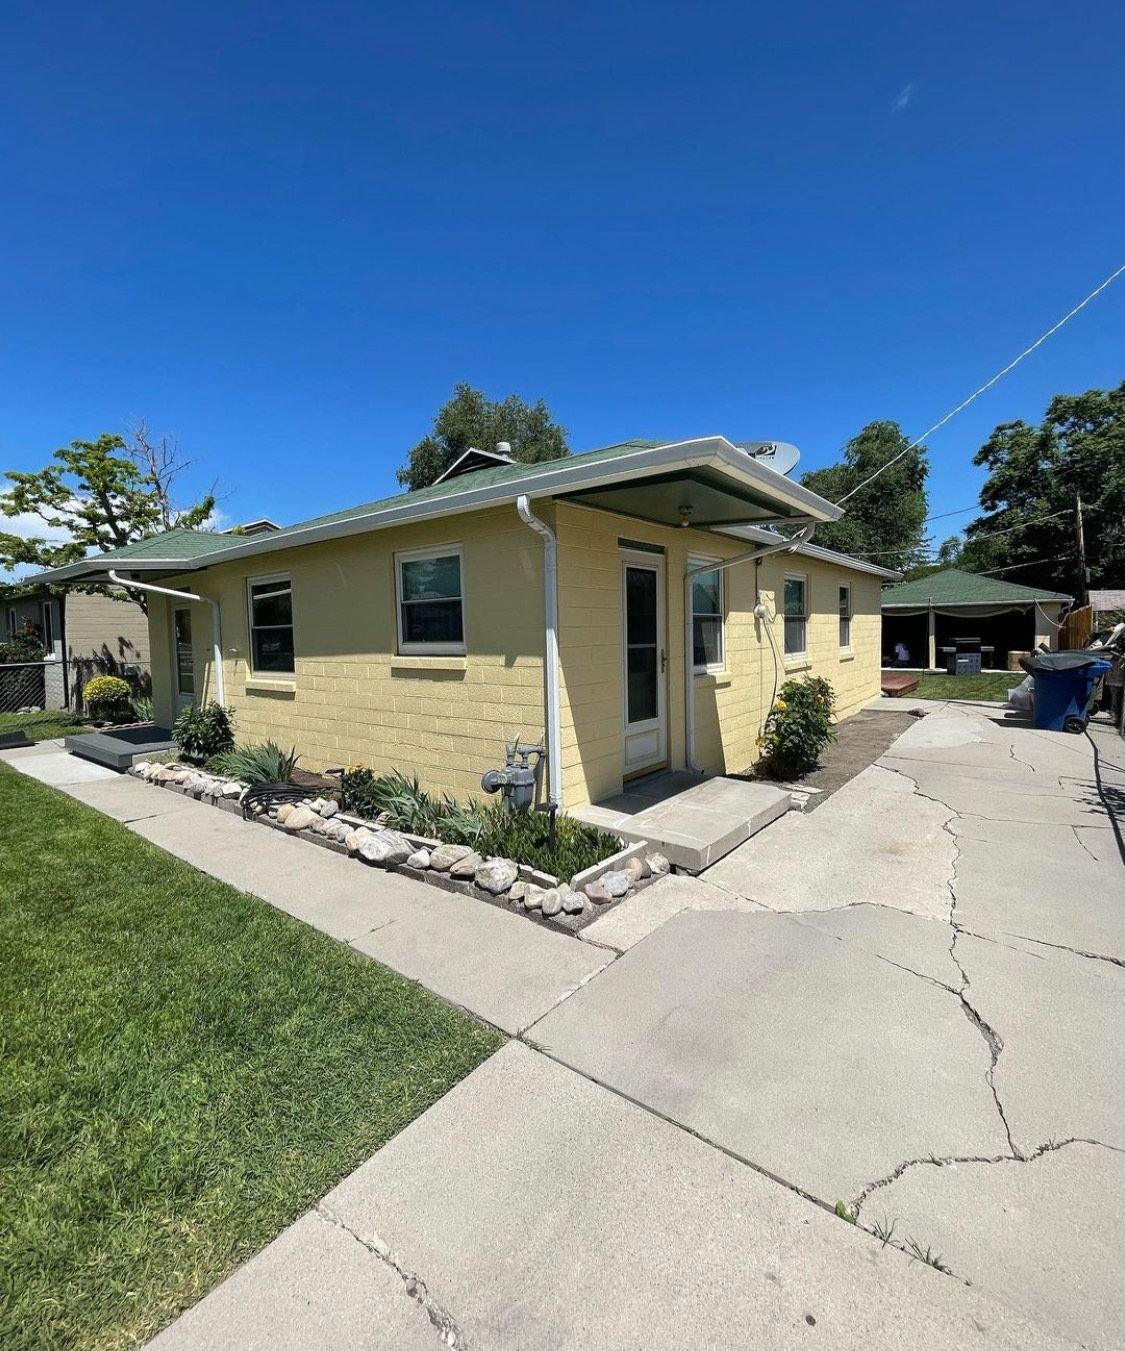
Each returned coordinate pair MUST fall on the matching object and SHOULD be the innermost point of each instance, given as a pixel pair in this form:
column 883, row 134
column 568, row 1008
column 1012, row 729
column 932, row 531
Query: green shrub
column 107, row 698
column 203, row 732
column 142, row 707
column 799, row 727
column 489, row 827
column 266, row 763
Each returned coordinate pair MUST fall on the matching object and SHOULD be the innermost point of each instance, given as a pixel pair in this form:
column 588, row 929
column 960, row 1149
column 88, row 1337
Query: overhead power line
column 974, row 539
column 987, row 384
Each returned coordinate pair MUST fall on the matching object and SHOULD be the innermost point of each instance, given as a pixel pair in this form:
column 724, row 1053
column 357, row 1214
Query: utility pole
column 1083, row 571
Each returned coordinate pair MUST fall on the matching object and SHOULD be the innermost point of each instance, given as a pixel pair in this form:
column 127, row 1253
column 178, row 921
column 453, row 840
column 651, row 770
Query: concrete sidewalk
column 910, row 1001
column 531, row 1208
column 875, row 1003
column 497, row 965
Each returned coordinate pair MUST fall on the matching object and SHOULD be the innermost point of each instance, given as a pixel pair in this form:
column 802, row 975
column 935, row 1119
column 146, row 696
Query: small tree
column 885, row 519
column 469, row 418
column 103, row 494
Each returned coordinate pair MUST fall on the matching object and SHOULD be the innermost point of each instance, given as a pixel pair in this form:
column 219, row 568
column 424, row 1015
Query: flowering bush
column 26, row 645
column 799, row 727
column 107, row 698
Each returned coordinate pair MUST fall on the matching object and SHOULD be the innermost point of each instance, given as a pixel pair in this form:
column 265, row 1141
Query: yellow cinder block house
column 632, row 608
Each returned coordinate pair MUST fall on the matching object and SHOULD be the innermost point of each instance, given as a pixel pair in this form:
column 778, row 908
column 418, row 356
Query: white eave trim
column 570, row 476
column 759, row 533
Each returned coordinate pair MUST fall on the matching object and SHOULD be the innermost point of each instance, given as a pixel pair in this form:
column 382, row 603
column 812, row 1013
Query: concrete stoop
column 695, row 826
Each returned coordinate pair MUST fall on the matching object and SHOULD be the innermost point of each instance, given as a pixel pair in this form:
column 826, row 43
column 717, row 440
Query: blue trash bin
column 1062, row 694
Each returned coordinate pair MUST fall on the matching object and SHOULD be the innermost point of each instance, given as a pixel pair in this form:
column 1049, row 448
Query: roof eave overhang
column 798, row 504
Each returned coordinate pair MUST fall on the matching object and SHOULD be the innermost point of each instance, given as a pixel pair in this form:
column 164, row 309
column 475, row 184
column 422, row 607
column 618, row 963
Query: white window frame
column 12, row 624
column 801, row 577
column 47, row 627
column 711, row 668
column 252, row 582
column 844, row 617
column 439, row 649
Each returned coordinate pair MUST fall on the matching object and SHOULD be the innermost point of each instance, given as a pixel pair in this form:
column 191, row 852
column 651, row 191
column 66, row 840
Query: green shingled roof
column 179, row 545
column 951, row 586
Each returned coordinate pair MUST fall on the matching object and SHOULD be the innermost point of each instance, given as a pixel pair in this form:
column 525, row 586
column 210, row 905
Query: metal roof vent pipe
column 504, row 448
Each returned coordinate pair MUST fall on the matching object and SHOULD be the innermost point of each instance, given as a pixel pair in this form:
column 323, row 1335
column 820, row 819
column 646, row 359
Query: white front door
column 183, row 659
column 644, row 658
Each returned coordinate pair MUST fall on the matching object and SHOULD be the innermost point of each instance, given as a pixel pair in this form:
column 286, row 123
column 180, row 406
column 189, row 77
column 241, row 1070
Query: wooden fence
column 1076, row 628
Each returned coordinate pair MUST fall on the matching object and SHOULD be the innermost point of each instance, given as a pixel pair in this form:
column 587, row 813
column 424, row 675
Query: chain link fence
column 33, row 699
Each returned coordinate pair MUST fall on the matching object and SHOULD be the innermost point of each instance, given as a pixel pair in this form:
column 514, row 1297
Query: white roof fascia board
column 576, row 476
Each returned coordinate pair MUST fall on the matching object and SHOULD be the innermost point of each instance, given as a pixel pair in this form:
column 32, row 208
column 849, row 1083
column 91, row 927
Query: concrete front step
column 697, row 826
column 122, row 746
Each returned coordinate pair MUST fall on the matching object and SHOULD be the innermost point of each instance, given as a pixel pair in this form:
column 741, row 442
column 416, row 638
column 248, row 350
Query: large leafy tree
column 95, row 496
column 884, row 520
column 1035, row 476
column 470, row 418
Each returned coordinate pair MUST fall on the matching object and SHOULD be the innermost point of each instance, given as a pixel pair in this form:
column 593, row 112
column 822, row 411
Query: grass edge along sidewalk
column 186, row 1071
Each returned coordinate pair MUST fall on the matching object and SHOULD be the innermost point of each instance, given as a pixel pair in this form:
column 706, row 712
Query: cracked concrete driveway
column 911, row 1002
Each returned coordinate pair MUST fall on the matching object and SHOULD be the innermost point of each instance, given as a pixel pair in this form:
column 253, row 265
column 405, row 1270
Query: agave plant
column 266, row 763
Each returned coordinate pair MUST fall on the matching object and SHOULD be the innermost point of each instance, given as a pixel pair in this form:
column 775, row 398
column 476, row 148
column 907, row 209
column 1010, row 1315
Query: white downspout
column 216, row 623
column 551, row 611
column 801, row 537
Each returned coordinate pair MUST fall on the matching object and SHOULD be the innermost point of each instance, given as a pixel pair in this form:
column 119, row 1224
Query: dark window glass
column 707, row 619
column 271, row 626
column 795, row 616
column 273, row 649
column 845, row 616
column 640, row 601
column 430, row 600
column 643, row 702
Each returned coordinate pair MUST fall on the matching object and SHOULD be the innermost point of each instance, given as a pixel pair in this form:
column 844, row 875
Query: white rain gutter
column 752, row 556
column 551, row 612
column 217, row 629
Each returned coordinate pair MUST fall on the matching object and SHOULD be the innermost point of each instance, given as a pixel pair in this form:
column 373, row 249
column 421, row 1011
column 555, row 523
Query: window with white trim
column 13, row 627
column 271, row 625
column 845, row 606
column 708, row 639
column 796, row 616
column 430, row 602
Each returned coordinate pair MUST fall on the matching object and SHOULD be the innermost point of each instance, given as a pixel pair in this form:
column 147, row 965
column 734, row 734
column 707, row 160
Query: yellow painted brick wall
column 447, row 718
column 730, row 706
column 352, row 699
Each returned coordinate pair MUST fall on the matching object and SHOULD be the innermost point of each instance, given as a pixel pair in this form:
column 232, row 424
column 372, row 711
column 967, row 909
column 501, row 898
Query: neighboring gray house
column 84, row 635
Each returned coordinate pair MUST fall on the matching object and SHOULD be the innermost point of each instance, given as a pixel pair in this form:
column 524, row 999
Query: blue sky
column 285, row 231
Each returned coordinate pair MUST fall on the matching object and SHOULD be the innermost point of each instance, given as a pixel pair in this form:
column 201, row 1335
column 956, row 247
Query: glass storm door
column 646, row 733
column 183, row 660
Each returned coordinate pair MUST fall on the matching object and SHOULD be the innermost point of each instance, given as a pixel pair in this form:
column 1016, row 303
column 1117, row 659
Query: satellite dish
column 779, row 456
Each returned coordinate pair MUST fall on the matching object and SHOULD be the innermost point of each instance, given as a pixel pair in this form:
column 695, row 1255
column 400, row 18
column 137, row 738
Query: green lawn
column 993, row 688
column 42, row 726
column 185, row 1071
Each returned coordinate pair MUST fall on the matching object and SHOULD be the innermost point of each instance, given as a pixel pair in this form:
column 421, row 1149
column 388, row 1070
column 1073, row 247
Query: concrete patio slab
column 1044, row 1236
column 910, row 941
column 877, row 840
column 1062, row 1067
column 809, row 1057
column 497, row 965
column 697, row 823
column 1041, row 887
column 541, row 1210
column 645, row 911
column 315, row 1288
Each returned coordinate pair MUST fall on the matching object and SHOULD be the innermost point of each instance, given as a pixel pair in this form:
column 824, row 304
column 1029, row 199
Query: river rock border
column 452, row 867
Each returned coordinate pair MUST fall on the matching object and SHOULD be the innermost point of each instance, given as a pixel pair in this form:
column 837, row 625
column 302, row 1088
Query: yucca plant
column 265, row 763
